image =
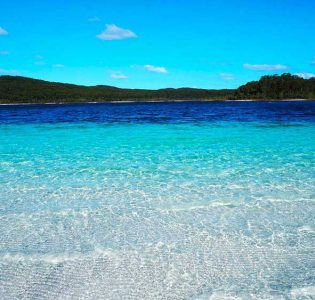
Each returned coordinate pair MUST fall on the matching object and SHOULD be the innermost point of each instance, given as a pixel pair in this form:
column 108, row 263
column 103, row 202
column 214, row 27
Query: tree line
column 16, row 89
column 285, row 86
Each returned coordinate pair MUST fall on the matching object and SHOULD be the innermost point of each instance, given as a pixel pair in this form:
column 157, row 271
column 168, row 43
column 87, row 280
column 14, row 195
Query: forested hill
column 286, row 86
column 15, row 89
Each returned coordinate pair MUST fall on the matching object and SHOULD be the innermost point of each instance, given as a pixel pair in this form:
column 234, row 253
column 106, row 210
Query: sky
column 157, row 44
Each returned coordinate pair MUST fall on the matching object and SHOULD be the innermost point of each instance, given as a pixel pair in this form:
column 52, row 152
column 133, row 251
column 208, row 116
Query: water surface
column 158, row 201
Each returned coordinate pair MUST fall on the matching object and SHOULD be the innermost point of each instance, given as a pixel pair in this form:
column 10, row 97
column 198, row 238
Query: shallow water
column 158, row 201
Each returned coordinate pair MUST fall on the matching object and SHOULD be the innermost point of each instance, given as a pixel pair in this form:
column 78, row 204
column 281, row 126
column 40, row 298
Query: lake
column 186, row 200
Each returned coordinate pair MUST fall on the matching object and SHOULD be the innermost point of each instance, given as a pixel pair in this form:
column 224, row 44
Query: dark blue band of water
column 172, row 112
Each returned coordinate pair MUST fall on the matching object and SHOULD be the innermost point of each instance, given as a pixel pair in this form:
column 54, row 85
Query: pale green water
column 147, row 210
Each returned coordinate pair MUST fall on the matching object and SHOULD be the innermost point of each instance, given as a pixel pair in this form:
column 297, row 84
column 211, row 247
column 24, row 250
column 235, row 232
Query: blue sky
column 157, row 44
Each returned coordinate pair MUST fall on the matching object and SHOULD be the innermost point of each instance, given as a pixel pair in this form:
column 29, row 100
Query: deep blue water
column 173, row 112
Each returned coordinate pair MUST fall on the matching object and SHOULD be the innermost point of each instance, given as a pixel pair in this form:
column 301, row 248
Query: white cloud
column 151, row 68
column 4, row 52
column 94, row 19
column 118, row 75
column 113, row 32
column 58, row 66
column 8, row 72
column 265, row 67
column 39, row 63
column 305, row 75
column 3, row 31
column 227, row 76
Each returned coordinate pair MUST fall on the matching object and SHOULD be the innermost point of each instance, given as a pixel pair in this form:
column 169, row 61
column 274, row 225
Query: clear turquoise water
column 177, row 201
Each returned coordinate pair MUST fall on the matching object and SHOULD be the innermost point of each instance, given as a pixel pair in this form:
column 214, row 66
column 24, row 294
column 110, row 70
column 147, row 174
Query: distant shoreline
column 152, row 101
column 16, row 90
